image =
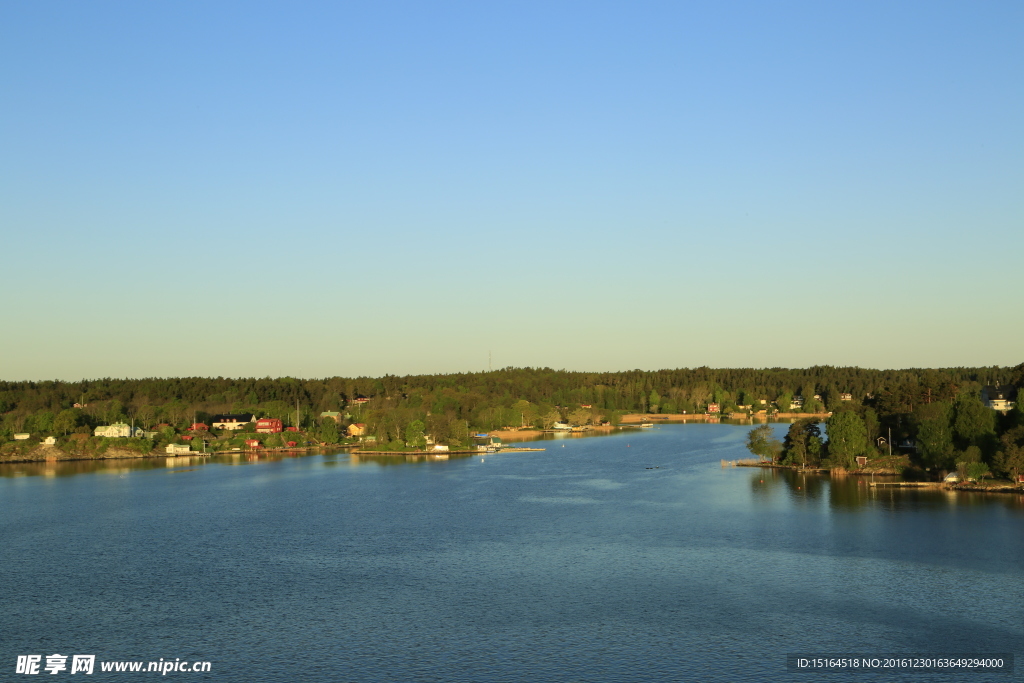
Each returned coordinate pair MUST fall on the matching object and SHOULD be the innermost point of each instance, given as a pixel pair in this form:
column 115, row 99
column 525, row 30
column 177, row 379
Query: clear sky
column 330, row 188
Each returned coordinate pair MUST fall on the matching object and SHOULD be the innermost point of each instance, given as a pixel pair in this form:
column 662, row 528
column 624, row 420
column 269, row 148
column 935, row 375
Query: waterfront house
column 252, row 443
column 439, row 447
column 268, row 425
column 356, row 429
column 232, row 422
column 116, row 430
column 997, row 398
column 796, row 403
column 178, row 448
column 560, row 425
column 714, row 408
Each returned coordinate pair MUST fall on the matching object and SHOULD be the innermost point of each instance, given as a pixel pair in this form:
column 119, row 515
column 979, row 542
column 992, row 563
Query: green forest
column 939, row 408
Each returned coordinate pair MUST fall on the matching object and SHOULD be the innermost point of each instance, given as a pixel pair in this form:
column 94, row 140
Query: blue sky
column 318, row 189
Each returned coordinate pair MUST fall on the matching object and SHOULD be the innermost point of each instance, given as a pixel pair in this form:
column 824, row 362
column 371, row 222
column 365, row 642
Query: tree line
column 452, row 406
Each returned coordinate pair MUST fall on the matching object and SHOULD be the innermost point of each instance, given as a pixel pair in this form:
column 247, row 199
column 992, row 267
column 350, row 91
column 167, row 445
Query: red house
column 252, row 443
column 291, row 429
column 199, row 427
column 268, row 425
column 291, row 444
column 187, row 437
column 714, row 408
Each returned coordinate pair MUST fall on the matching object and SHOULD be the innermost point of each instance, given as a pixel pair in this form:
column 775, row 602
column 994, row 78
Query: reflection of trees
column 847, row 492
column 804, row 484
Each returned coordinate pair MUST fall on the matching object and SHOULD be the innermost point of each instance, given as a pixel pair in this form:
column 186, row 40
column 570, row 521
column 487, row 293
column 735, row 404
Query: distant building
column 336, row 416
column 199, row 427
column 291, row 429
column 439, row 447
column 21, row 436
column 178, row 448
column 561, row 425
column 845, row 397
column 714, row 408
column 586, row 405
column 118, row 429
column 50, row 441
column 232, row 421
column 80, row 405
column 356, row 429
column 796, row 403
column 361, row 400
column 268, row 425
column 252, row 443
column 997, row 398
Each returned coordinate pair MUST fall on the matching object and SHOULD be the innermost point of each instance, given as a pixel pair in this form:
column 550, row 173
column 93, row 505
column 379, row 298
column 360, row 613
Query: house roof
column 997, row 393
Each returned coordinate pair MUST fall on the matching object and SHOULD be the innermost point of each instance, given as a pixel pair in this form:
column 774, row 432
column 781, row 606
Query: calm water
column 632, row 557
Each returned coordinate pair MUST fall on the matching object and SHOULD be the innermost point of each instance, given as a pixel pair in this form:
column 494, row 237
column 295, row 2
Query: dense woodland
column 401, row 410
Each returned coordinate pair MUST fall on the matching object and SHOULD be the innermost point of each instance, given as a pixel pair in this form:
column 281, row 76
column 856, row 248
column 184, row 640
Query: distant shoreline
column 634, row 418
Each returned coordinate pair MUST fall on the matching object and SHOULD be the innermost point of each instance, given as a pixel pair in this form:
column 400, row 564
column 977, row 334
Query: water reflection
column 391, row 460
column 854, row 492
column 68, row 468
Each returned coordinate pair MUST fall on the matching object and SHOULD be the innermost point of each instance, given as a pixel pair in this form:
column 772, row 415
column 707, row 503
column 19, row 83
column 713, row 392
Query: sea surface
column 629, row 557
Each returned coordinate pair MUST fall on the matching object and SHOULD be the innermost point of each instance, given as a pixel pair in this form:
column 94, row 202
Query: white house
column 232, row 421
column 117, row 429
column 561, row 425
column 178, row 449
column 440, row 447
column 50, row 441
column 21, row 437
column 997, row 398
